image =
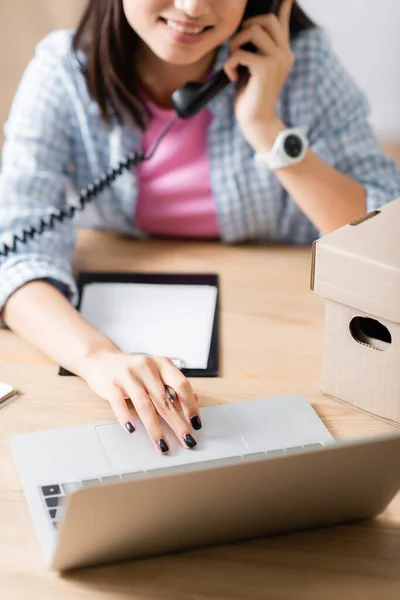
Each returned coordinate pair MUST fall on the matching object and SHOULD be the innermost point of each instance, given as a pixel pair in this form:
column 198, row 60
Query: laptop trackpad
column 219, row 438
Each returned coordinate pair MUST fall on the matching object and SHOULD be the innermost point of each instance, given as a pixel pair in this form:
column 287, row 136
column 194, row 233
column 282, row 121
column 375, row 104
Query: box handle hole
column 370, row 333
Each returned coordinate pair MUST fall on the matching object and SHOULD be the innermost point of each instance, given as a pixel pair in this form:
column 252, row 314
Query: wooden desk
column 272, row 333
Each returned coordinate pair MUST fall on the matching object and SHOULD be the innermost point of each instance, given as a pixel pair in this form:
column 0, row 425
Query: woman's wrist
column 263, row 135
column 95, row 352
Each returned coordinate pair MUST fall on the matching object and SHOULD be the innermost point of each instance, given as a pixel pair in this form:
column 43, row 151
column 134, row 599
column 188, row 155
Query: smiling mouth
column 187, row 29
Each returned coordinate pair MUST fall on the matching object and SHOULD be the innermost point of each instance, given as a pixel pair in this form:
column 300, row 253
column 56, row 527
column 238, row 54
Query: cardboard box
column 357, row 270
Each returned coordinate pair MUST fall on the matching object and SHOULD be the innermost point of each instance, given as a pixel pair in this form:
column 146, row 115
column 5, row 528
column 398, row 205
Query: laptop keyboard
column 54, row 495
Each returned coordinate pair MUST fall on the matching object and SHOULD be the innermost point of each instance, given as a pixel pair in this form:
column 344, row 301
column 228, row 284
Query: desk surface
column 272, row 335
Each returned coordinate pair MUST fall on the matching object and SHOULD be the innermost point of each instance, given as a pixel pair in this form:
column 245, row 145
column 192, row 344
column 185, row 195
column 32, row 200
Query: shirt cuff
column 17, row 273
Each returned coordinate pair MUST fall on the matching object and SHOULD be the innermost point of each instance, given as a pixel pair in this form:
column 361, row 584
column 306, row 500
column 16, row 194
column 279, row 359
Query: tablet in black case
column 186, row 279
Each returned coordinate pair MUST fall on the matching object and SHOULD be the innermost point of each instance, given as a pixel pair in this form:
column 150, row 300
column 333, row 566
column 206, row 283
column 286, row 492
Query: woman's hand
column 141, row 380
column 256, row 99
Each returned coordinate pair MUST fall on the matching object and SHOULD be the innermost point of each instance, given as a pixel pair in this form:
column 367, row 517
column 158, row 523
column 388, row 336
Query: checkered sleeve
column 334, row 112
column 35, row 163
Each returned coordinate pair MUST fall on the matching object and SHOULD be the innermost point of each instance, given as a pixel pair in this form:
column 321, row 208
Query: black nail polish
column 189, row 440
column 129, row 427
column 162, row 444
column 196, row 423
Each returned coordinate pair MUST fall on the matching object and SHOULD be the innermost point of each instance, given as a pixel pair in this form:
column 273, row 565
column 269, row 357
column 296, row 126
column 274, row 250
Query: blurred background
column 365, row 35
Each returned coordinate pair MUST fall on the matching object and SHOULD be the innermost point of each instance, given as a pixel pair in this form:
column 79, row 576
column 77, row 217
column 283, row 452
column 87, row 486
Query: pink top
column 175, row 195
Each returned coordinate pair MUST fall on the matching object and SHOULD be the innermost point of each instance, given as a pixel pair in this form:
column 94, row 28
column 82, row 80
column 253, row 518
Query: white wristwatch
column 290, row 148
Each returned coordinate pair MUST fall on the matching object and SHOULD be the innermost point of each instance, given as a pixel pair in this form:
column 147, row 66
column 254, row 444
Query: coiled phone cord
column 86, row 195
column 187, row 102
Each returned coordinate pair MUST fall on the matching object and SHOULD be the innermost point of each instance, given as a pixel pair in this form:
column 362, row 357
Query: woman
column 89, row 97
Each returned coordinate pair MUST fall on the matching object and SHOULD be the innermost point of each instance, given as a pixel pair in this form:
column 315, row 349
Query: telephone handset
column 194, row 96
column 187, row 102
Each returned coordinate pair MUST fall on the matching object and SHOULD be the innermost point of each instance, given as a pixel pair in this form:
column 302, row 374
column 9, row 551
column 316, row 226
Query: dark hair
column 104, row 34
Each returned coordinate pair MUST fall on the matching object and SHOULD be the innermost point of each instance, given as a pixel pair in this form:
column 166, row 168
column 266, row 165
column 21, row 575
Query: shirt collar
column 221, row 57
column 217, row 105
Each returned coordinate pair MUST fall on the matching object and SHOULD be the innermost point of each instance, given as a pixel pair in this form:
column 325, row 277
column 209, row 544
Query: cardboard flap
column 359, row 264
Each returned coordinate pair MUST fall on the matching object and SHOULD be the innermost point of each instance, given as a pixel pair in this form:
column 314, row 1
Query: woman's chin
column 178, row 58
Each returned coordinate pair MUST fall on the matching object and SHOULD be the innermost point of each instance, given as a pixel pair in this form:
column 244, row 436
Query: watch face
column 293, row 145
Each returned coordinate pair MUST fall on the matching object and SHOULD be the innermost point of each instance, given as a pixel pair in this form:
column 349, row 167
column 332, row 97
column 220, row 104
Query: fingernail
column 189, row 440
column 163, row 446
column 196, row 423
column 129, row 427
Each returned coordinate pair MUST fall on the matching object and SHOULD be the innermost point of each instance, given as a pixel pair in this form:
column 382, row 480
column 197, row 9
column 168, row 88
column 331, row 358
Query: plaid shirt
column 56, row 141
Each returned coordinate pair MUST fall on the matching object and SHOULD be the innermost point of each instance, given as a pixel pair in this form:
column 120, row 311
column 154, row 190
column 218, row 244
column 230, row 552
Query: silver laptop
column 97, row 494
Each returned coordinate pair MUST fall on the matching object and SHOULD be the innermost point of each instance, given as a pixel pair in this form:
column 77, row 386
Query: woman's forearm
column 329, row 198
column 39, row 313
column 42, row 315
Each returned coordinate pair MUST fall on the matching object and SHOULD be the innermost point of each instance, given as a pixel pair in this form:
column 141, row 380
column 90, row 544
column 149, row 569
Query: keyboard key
column 294, row 449
column 275, row 452
column 215, row 463
column 53, row 513
column 169, row 470
column 137, row 475
column 110, row 479
column 314, row 446
column 254, row 456
column 53, row 502
column 51, row 490
column 197, row 466
column 90, row 482
column 71, row 487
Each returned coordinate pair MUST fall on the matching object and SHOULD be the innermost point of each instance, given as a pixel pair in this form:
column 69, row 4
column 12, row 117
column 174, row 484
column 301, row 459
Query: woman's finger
column 278, row 33
column 167, row 409
column 272, row 25
column 184, row 391
column 120, row 408
column 147, row 413
column 252, row 61
column 259, row 38
column 285, row 13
